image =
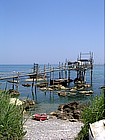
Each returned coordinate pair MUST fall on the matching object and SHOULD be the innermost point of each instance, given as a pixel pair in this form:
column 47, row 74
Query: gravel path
column 52, row 129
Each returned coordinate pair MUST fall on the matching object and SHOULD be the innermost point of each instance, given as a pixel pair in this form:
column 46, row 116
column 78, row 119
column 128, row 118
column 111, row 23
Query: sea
column 48, row 101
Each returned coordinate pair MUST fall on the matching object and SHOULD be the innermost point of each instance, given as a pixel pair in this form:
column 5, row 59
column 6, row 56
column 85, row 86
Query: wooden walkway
column 80, row 66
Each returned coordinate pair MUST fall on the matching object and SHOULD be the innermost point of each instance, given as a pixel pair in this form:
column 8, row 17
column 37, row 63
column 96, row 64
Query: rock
column 26, row 85
column 62, row 93
column 90, row 91
column 73, row 120
column 13, row 92
column 87, row 85
column 15, row 101
column 54, row 113
column 68, row 107
column 86, row 92
column 73, row 93
column 82, row 92
column 51, row 117
column 63, row 88
column 62, row 116
column 50, row 89
column 81, row 88
column 103, row 87
column 43, row 84
column 77, row 111
column 69, row 111
column 73, row 89
column 28, row 103
column 43, row 88
column 60, row 107
column 76, row 116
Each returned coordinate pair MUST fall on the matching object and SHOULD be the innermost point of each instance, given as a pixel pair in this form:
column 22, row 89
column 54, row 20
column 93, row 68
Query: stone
column 13, row 92
column 86, row 92
column 43, row 88
column 43, row 84
column 69, row 111
column 62, row 93
column 62, row 116
column 15, row 101
column 73, row 89
column 62, row 88
column 49, row 89
column 26, row 85
column 73, row 93
column 73, row 120
column 28, row 103
column 60, row 107
column 54, row 113
column 87, row 85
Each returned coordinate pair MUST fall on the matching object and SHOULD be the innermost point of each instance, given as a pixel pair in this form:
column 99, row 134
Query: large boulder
column 69, row 111
column 28, row 103
column 15, row 101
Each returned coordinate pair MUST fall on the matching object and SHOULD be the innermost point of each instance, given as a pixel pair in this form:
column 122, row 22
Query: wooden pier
column 82, row 66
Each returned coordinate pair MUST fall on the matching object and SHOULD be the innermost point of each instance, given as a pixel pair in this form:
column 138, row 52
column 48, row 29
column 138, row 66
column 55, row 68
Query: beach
column 51, row 129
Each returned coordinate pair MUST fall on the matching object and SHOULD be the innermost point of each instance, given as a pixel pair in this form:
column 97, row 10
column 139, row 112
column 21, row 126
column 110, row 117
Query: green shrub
column 95, row 111
column 11, row 119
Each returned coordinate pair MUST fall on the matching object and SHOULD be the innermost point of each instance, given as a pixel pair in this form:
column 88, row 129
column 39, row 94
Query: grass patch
column 11, row 119
column 94, row 111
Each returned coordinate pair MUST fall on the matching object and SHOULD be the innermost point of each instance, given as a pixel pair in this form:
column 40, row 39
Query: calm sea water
column 49, row 101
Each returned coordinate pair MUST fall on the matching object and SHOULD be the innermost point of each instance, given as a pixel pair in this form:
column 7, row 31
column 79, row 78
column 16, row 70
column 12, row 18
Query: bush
column 95, row 111
column 11, row 119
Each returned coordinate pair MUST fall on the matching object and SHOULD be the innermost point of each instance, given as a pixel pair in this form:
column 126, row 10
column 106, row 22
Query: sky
column 51, row 31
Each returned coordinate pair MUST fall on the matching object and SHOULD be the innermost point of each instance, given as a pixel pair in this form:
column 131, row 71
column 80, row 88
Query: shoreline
column 51, row 129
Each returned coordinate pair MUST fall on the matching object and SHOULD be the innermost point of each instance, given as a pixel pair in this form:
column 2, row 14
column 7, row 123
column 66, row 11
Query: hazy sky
column 49, row 31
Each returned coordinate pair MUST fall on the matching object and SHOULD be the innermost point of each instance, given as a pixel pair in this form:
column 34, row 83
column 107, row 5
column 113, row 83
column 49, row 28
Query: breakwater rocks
column 68, row 91
column 13, row 92
column 28, row 104
column 70, row 111
column 43, row 86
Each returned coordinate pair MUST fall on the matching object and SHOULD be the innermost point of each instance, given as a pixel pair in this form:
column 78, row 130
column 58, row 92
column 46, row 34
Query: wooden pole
column 44, row 72
column 62, row 71
column 69, row 74
column 50, row 73
column 91, row 76
column 33, row 83
column 84, row 76
column 13, row 80
column 37, row 72
column 65, row 71
column 13, row 83
column 17, row 81
column 59, row 71
column 91, row 63
column 53, row 75
column 34, row 68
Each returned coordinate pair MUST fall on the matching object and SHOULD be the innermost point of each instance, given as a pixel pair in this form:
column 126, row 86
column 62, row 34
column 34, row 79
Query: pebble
column 51, row 129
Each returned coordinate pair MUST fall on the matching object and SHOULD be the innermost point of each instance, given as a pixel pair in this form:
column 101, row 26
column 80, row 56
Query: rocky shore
column 70, row 111
column 63, row 124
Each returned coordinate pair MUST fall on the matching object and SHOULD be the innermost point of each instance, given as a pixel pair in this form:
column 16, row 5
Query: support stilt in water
column 64, row 70
column 13, row 84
